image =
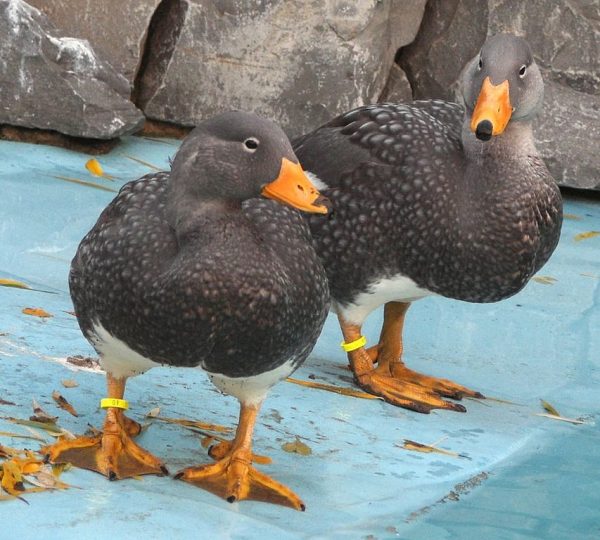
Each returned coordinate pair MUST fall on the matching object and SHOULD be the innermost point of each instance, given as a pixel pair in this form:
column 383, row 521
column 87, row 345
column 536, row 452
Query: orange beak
column 294, row 188
column 492, row 110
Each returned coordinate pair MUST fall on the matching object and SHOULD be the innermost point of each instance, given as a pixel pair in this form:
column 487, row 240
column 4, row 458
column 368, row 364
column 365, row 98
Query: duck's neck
column 515, row 144
column 192, row 217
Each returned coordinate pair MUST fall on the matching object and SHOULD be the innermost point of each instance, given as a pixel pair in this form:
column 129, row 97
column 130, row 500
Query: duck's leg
column 113, row 452
column 380, row 380
column 233, row 477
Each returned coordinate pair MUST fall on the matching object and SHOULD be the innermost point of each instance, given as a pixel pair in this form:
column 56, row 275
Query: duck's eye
column 480, row 65
column 251, row 144
column 522, row 71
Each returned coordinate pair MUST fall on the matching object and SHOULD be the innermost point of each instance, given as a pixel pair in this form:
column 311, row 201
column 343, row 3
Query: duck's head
column 501, row 84
column 237, row 156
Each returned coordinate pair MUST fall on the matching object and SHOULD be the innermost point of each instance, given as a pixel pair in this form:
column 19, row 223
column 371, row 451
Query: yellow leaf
column 549, row 408
column 14, row 283
column 544, row 280
column 297, row 447
column 586, row 235
column 36, row 312
column 93, row 165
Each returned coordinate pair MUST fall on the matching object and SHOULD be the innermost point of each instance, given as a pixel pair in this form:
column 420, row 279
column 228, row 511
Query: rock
column 565, row 38
column 298, row 62
column 115, row 29
column 567, row 134
column 58, row 83
column 397, row 88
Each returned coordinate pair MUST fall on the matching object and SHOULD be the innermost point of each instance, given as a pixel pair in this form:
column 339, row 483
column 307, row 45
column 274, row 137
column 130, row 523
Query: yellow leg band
column 109, row 402
column 353, row 345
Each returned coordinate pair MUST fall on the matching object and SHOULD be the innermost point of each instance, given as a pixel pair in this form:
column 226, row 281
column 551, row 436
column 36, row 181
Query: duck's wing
column 385, row 134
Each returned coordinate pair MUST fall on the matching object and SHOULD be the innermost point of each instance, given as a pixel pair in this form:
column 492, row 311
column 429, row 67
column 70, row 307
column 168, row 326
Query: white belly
column 116, row 357
column 397, row 289
column 251, row 390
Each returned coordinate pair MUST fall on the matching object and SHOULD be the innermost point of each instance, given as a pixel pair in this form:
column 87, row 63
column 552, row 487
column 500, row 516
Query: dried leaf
column 40, row 415
column 69, row 383
column 81, row 361
column 20, row 285
column 84, row 183
column 14, row 283
column 549, row 408
column 561, row 418
column 585, row 235
column 544, row 280
column 50, row 428
column 153, row 413
column 297, row 447
column 574, row 217
column 142, row 162
column 5, row 402
column 194, row 424
column 94, row 167
column 344, row 391
column 36, row 312
column 426, row 448
column 20, row 436
column 63, row 403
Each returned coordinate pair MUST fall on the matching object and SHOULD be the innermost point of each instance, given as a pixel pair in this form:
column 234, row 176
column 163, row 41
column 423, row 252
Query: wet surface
column 535, row 477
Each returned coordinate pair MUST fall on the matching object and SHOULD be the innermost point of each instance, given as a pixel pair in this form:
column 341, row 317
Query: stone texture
column 58, row 83
column 298, row 62
column 397, row 88
column 116, row 29
column 565, row 38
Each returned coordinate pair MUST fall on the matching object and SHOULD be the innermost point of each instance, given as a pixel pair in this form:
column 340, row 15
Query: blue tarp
column 519, row 475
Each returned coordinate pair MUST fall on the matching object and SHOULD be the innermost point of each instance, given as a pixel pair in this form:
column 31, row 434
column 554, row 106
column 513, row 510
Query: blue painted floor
column 521, row 475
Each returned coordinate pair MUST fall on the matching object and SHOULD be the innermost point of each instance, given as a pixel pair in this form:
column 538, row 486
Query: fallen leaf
column 297, row 447
column 94, row 167
column 153, row 413
column 574, row 217
column 84, row 183
column 344, row 391
column 586, row 235
column 545, row 280
column 69, row 383
column 4, row 402
column 40, row 415
column 20, row 436
column 50, row 428
column 20, row 285
column 426, row 448
column 63, row 403
column 81, row 361
column 36, row 312
column 194, row 424
column 549, row 408
column 14, row 283
column 142, row 162
column 561, row 418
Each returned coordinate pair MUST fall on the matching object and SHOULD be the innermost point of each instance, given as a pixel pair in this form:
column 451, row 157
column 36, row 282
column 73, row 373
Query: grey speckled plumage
column 416, row 194
column 238, row 290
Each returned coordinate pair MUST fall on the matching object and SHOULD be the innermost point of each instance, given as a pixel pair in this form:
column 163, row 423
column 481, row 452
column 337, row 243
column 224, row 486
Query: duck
column 209, row 265
column 432, row 198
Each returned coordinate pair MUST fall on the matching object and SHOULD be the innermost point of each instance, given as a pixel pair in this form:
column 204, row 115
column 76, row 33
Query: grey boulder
column 298, row 62
column 58, row 83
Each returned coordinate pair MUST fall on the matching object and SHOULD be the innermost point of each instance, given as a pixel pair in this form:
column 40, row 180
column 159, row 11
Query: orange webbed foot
column 233, row 478
column 112, row 453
